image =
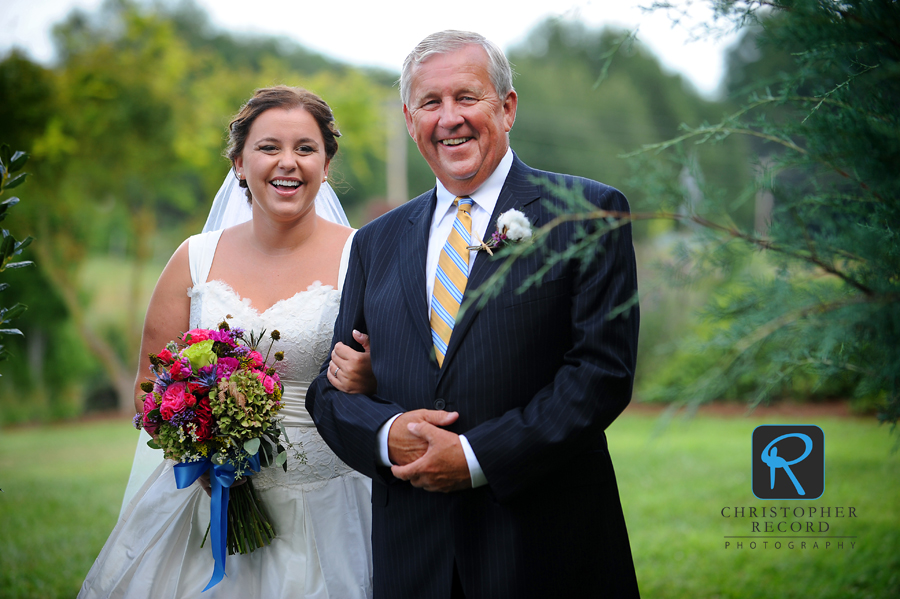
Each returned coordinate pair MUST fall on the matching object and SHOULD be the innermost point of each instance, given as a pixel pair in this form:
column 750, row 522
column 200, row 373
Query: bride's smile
column 284, row 161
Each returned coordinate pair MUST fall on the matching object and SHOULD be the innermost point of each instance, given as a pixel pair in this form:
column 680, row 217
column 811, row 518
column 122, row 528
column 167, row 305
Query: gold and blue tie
column 450, row 279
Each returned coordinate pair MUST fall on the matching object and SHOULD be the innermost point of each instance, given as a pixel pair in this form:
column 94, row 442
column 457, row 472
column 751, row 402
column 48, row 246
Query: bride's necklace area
column 276, row 252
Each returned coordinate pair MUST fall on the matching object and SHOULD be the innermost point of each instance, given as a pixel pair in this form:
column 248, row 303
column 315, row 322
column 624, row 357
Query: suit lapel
column 518, row 192
column 412, row 254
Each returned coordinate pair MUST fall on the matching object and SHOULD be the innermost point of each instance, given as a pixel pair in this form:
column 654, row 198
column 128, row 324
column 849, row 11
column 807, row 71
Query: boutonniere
column 512, row 227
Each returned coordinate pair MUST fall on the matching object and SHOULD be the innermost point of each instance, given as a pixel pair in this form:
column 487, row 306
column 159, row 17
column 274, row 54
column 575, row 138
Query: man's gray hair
column 444, row 42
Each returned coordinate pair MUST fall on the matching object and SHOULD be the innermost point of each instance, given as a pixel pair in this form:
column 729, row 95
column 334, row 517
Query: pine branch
column 784, row 320
column 619, row 219
column 724, row 128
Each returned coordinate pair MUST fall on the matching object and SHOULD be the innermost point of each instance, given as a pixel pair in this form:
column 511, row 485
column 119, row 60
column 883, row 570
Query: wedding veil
column 230, row 207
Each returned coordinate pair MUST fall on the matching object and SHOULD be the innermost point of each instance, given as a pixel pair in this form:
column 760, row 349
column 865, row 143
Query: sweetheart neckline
column 315, row 286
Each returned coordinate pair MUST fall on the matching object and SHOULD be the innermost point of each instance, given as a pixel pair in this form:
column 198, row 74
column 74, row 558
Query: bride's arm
column 349, row 370
column 168, row 315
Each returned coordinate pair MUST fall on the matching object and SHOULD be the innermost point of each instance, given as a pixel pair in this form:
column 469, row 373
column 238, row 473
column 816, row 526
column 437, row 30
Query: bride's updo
column 280, row 96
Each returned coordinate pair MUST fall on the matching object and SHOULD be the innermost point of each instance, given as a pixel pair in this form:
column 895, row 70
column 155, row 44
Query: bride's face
column 284, row 161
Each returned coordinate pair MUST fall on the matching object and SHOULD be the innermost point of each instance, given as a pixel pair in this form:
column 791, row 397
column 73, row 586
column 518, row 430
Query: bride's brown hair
column 280, row 96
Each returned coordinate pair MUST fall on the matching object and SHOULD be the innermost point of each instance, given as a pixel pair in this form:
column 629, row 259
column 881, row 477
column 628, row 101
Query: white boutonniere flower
column 512, row 227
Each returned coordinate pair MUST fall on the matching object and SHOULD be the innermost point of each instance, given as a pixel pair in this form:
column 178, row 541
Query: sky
column 381, row 32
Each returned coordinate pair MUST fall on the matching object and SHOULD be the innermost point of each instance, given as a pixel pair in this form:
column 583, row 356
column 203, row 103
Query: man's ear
column 409, row 124
column 509, row 109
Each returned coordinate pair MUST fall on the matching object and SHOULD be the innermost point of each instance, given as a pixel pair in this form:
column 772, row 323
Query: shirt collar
column 485, row 196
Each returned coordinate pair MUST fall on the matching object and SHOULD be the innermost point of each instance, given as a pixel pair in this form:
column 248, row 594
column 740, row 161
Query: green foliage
column 673, row 488
column 10, row 164
column 62, row 489
column 588, row 96
column 126, row 134
column 824, row 313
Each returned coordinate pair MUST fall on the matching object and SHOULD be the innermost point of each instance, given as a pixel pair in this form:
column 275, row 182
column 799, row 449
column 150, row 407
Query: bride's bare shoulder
column 335, row 232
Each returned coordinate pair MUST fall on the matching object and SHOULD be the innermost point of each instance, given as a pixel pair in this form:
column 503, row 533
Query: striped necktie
column 450, row 279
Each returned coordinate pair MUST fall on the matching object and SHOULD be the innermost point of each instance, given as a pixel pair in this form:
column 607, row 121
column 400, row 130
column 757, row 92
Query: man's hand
column 442, row 467
column 350, row 371
column 404, row 446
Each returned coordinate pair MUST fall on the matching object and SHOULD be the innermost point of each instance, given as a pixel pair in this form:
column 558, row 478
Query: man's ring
column 336, row 368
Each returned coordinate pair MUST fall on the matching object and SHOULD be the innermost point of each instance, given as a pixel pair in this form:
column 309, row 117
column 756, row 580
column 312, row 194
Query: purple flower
column 225, row 367
column 224, row 336
column 207, row 375
column 179, row 419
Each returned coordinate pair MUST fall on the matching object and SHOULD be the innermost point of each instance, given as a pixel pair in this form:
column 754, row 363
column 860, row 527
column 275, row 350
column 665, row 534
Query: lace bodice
column 306, row 324
column 305, row 321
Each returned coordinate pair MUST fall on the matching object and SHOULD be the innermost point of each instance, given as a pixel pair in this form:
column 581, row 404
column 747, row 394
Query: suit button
column 439, row 404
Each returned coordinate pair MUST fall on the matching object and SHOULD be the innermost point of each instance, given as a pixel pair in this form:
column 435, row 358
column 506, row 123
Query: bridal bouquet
column 212, row 406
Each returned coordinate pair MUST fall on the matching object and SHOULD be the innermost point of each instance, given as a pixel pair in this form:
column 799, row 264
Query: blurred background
column 123, row 107
column 765, row 237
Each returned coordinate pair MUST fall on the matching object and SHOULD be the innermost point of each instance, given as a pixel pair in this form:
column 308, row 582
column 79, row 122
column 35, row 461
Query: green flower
column 200, row 354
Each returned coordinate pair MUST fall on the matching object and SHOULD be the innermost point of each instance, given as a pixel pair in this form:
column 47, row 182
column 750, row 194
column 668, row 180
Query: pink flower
column 267, row 382
column 174, row 400
column 149, row 403
column 256, row 359
column 195, row 336
column 180, row 370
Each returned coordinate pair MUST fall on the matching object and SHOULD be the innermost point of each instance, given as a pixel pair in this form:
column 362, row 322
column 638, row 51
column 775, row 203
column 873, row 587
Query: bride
column 283, row 269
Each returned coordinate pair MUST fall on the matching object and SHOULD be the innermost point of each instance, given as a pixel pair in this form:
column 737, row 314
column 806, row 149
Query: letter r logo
column 788, row 461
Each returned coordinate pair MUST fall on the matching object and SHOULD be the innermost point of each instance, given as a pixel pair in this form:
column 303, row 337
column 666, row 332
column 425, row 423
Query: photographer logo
column 788, row 461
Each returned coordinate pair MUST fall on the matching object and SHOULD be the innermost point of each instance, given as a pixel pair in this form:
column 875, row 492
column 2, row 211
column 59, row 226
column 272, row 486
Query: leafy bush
column 10, row 164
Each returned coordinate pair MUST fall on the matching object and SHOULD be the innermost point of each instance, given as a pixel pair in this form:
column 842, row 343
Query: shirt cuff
column 384, row 457
column 475, row 471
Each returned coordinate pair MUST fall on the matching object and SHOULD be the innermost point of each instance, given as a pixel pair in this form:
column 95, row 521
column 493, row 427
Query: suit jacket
column 536, row 377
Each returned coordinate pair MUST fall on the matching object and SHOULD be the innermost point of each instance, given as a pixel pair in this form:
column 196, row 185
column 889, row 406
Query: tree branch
column 622, row 218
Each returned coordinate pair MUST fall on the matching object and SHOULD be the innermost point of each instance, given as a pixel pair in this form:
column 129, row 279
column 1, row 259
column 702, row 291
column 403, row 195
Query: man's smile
column 455, row 141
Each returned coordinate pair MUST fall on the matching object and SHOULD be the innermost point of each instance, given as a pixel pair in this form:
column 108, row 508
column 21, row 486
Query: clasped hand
column 427, row 456
column 350, row 371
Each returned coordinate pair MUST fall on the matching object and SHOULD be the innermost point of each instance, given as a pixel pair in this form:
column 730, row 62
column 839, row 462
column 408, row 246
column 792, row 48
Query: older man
column 485, row 439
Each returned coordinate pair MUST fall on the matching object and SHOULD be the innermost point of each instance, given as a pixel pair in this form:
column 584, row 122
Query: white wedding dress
column 321, row 509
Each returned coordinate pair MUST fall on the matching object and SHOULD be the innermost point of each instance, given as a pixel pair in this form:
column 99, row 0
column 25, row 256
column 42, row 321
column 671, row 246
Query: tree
column 127, row 133
column 606, row 92
column 815, row 296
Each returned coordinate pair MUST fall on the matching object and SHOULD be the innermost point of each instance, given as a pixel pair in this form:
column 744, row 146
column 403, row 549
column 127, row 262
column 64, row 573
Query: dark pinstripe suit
column 536, row 378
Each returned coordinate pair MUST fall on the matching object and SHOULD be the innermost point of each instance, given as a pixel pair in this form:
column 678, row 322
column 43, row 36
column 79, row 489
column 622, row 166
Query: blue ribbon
column 221, row 477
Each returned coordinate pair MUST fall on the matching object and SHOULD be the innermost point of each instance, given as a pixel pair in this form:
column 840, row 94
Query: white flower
column 514, row 225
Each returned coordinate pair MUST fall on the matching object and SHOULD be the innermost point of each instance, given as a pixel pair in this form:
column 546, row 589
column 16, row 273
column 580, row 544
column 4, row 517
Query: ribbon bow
column 221, row 477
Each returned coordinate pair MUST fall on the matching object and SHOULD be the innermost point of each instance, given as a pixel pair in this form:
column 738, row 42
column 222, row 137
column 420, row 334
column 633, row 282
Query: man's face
column 459, row 122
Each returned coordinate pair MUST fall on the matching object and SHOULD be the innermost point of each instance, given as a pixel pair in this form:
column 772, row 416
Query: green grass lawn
column 62, row 487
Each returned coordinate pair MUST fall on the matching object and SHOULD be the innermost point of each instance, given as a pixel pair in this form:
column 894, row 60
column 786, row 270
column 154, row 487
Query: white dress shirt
column 485, row 199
